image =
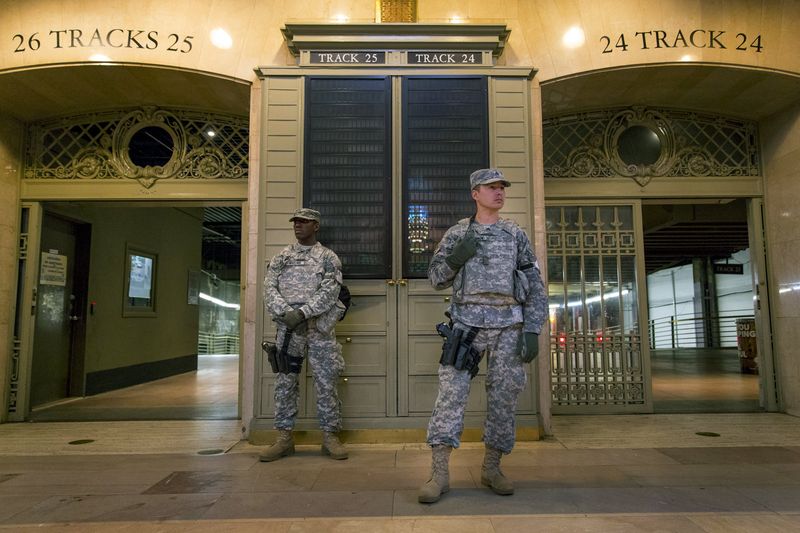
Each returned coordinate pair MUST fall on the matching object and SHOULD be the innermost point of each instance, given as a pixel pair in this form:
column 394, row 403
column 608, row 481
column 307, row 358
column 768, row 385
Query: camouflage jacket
column 303, row 277
column 500, row 285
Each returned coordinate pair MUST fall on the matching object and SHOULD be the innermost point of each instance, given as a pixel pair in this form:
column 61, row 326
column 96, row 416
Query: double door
column 386, row 162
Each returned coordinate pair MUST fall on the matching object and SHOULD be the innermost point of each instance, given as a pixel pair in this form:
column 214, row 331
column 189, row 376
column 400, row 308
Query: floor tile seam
column 8, row 523
column 227, row 446
column 517, row 516
column 401, row 518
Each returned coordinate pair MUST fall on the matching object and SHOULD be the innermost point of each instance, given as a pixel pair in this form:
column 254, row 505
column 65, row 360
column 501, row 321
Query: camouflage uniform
column 308, row 278
column 498, row 290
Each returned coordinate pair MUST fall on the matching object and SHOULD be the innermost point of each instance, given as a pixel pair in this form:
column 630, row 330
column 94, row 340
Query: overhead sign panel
column 348, row 58
column 428, row 57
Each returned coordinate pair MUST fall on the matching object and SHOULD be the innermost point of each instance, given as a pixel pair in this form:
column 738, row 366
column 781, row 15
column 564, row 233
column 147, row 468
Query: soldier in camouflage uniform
column 301, row 291
column 498, row 292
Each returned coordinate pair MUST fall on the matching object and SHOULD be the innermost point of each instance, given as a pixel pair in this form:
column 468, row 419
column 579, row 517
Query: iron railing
column 691, row 331
column 215, row 344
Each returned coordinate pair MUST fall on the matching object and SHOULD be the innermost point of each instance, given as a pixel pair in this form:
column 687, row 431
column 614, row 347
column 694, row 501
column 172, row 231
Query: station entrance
column 137, row 311
column 633, row 199
column 131, row 246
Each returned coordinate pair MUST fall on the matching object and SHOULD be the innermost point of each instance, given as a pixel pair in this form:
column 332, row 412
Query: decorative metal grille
column 98, row 146
column 16, row 349
column 445, row 139
column 595, row 348
column 347, row 173
column 398, row 10
column 643, row 143
column 13, row 392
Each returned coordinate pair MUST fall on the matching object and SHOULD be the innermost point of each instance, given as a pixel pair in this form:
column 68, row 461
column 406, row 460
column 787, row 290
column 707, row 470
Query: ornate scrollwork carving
column 129, row 126
column 105, row 147
column 651, row 121
column 670, row 143
column 89, row 163
column 208, row 163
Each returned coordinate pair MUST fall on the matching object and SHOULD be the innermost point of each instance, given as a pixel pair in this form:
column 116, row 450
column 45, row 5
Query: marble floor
column 211, row 392
column 702, row 380
column 676, row 472
column 622, row 473
column 686, row 380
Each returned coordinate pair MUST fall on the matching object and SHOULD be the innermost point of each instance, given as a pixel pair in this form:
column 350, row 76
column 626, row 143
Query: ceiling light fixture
column 574, row 37
column 221, row 38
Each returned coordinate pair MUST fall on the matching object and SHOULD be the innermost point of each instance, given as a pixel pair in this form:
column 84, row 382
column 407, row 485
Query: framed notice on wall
column 141, row 270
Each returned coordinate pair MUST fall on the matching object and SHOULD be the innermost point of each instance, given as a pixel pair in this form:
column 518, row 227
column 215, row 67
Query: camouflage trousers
column 324, row 357
column 505, row 379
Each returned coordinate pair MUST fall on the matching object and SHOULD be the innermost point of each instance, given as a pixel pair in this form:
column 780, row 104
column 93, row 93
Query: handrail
column 215, row 344
column 690, row 331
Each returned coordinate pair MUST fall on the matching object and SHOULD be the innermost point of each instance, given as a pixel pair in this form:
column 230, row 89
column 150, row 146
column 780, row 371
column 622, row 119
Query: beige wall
column 781, row 150
column 114, row 341
column 10, row 166
column 538, row 28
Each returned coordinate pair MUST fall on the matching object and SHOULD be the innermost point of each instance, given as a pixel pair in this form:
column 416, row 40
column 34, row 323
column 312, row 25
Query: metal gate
column 598, row 347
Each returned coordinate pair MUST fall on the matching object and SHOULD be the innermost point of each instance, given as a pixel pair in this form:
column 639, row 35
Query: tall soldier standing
column 498, row 307
column 301, row 292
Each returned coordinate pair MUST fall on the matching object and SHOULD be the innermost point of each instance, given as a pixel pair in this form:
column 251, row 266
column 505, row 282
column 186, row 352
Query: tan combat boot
column 283, row 446
column 439, row 482
column 492, row 476
column 331, row 446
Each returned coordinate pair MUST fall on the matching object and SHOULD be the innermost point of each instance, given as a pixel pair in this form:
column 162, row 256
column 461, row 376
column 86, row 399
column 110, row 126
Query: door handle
column 74, row 318
column 402, row 282
column 391, row 282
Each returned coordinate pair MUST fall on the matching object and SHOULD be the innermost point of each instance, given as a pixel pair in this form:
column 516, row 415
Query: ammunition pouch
column 457, row 349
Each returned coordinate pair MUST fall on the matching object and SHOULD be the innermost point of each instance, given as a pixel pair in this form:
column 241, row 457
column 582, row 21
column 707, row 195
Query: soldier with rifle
column 301, row 292
column 498, row 308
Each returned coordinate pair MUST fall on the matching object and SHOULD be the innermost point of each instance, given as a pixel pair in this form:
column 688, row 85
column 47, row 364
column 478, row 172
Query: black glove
column 530, row 347
column 292, row 319
column 462, row 251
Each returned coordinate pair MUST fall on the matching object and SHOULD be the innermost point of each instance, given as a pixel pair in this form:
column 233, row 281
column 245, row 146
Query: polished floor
column 707, row 380
column 681, row 472
column 684, row 381
column 209, row 393
column 624, row 473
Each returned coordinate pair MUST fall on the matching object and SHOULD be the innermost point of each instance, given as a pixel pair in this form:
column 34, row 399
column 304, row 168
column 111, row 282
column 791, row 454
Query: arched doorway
column 595, row 155
column 160, row 148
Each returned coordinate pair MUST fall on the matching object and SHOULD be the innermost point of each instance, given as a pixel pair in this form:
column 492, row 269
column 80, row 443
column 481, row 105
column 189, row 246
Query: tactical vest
column 488, row 277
